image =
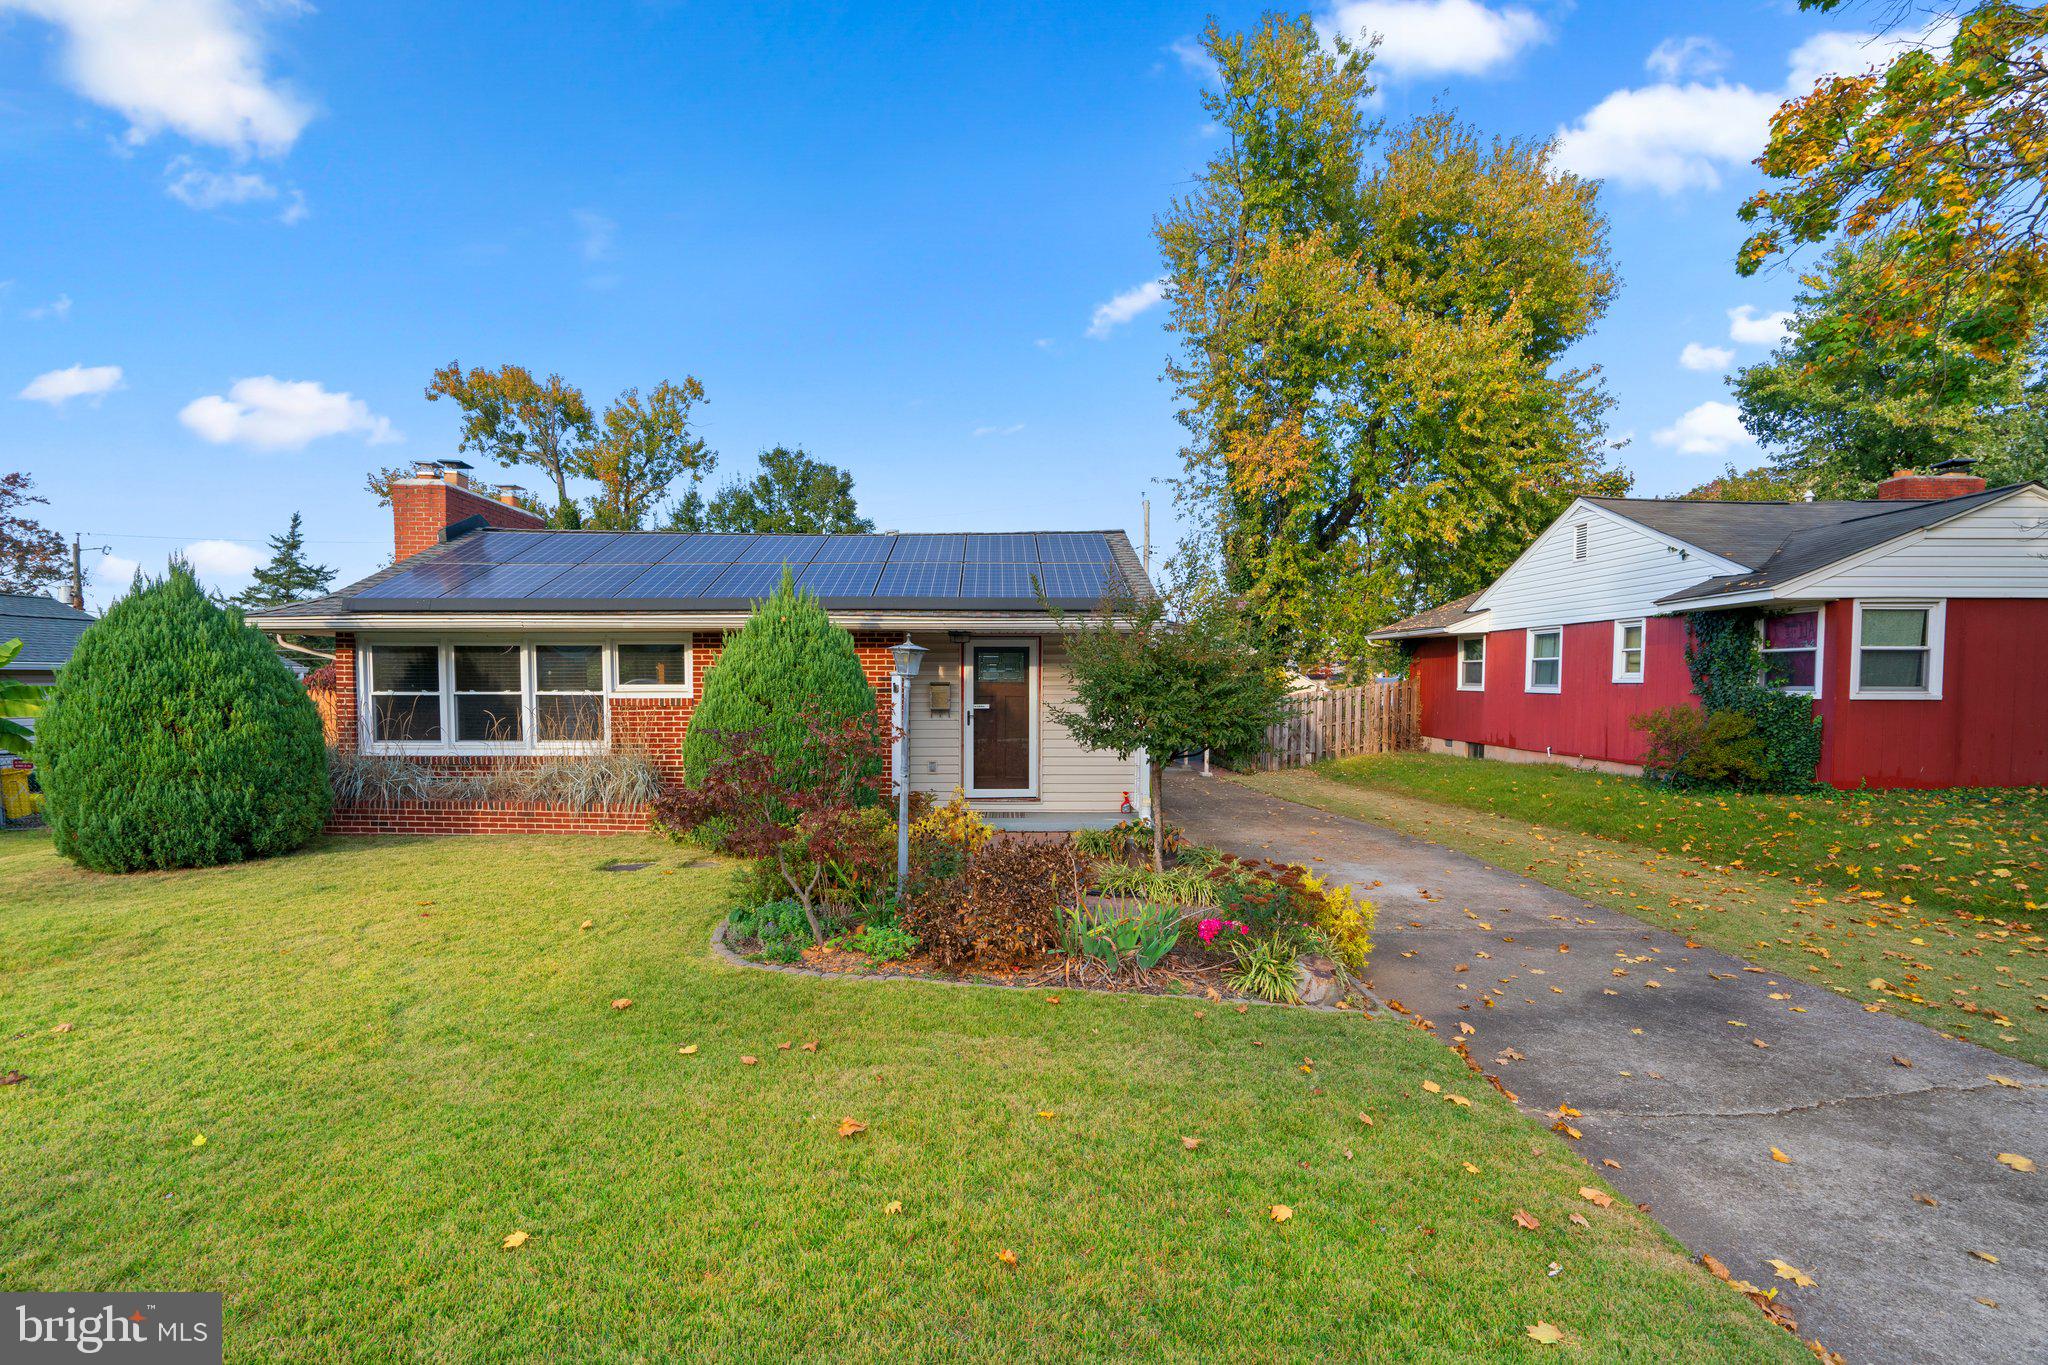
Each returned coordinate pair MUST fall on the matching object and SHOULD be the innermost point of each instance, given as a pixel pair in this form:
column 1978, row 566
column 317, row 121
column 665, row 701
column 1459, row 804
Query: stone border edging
column 725, row 951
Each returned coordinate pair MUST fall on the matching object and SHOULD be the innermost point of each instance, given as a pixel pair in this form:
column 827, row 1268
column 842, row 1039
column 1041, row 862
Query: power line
column 137, row 535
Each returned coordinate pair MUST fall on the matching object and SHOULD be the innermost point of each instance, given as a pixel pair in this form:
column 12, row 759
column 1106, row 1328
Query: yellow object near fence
column 15, row 797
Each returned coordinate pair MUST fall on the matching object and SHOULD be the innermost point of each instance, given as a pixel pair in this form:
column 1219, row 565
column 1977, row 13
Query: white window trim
column 1820, row 650
column 1458, row 662
column 1029, row 642
column 1937, row 646
column 1529, row 659
column 1621, row 674
column 444, row 647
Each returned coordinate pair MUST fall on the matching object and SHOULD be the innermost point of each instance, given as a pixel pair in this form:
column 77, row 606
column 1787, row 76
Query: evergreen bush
column 175, row 738
column 786, row 668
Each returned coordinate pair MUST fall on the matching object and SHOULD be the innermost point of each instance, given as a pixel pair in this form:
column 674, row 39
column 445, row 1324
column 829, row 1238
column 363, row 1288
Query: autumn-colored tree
column 1746, row 485
column 1941, row 154
column 792, row 495
column 1846, row 401
column 1372, row 330
column 642, row 448
column 31, row 554
column 515, row 419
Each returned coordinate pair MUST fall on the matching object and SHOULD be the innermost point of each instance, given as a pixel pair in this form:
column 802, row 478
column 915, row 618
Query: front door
column 1002, row 712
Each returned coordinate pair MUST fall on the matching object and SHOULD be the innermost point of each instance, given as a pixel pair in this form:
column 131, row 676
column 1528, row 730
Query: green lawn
column 399, row 1052
column 1938, row 896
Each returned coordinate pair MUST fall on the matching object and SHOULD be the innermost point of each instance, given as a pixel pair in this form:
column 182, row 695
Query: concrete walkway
column 1669, row 1082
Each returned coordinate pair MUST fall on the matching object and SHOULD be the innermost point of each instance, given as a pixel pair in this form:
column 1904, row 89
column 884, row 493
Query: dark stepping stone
column 623, row 867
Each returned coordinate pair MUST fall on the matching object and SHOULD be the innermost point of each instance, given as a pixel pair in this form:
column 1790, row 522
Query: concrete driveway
column 1892, row 1182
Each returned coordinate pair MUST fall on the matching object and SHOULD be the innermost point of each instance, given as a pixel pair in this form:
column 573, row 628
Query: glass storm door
column 1001, row 709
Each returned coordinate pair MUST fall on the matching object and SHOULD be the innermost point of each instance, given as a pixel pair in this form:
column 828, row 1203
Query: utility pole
column 77, row 578
column 1148, row 535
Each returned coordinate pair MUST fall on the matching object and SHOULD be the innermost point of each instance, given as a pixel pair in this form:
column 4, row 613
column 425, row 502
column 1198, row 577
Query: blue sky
column 240, row 236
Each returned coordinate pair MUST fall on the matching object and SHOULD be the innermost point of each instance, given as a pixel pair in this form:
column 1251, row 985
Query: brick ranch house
column 1917, row 622
column 492, row 640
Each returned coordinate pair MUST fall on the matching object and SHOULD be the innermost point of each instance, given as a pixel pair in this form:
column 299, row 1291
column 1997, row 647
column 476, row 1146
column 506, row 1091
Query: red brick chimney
column 1947, row 481
column 438, row 495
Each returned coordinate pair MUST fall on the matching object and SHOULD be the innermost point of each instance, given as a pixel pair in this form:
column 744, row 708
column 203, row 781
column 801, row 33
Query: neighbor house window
column 1628, row 651
column 405, row 694
column 656, row 665
column 1546, row 661
column 1898, row 650
column 1791, row 649
column 488, row 687
column 1472, row 663
column 568, row 693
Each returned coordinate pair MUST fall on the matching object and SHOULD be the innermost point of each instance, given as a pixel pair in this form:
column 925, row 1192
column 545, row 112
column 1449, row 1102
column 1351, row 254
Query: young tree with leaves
column 32, row 556
column 792, row 495
column 1143, row 681
column 289, row 576
column 641, row 449
column 515, row 419
column 1372, row 336
column 1941, row 154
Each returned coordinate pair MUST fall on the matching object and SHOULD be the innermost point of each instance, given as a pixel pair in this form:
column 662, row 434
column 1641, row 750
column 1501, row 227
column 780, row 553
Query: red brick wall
column 485, row 817
column 1906, row 486
column 422, row 508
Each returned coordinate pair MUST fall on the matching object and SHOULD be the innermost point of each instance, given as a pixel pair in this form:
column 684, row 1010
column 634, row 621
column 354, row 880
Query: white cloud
column 1668, row 137
column 1705, row 358
column 597, row 235
column 1752, row 328
column 1677, row 59
column 59, row 387
column 58, row 308
column 1707, row 429
column 1193, row 57
column 277, row 414
column 222, row 558
column 1852, row 54
column 1010, row 430
column 295, row 210
column 1440, row 37
column 196, row 187
column 196, row 67
column 113, row 573
column 1125, row 306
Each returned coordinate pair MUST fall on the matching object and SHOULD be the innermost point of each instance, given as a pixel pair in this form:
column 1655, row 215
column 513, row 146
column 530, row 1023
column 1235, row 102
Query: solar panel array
column 650, row 570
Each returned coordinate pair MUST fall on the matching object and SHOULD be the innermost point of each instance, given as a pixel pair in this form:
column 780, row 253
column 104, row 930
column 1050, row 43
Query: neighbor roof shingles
column 48, row 629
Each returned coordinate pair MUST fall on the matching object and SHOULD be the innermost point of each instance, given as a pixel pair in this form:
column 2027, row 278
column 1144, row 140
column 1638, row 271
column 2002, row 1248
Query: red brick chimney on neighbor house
column 1950, row 479
column 438, row 494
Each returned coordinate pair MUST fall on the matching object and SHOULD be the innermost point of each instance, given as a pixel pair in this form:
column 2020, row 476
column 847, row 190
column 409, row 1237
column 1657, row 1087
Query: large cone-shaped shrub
column 787, row 657
column 176, row 738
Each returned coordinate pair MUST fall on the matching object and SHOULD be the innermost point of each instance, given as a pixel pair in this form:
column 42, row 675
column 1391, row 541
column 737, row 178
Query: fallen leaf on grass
column 750, row 1061
column 1366, row 1119
column 688, row 1050
column 2016, row 1161
column 783, row 1047
column 1190, row 1143
column 1432, row 1087
column 622, row 1004
column 1546, row 1334
column 1047, row 1114
column 1470, row 1169
column 61, row 1028
column 848, row 1127
column 586, row 924
column 1580, row 1220
column 1777, row 1155
column 811, row 1046
column 1281, row 1213
column 1523, row 1220
column 1596, row 1197
column 893, row 1206
column 1459, row 1100
column 199, row 1139
column 1007, row 1256
column 1785, row 1270
column 514, row 1241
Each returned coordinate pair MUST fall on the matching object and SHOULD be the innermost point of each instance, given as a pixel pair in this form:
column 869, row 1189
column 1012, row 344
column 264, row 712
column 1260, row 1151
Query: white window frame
column 1529, row 683
column 1031, row 643
column 1936, row 646
column 1621, row 673
column 1460, row 661
column 618, row 687
column 1820, row 650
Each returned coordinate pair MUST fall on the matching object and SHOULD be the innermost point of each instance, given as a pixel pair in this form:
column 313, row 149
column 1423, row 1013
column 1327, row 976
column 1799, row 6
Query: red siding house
column 1917, row 622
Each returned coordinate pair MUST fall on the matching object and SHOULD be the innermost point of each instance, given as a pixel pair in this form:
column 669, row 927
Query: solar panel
column 749, row 581
column 591, row 580
column 1021, row 548
column 508, row 580
column 795, row 551
column 1073, row 547
column 425, row 580
column 918, row 580
column 1076, row 582
column 673, row 580
column 854, row 550
column 998, row 580
column 840, row 580
column 927, row 550
column 707, row 547
column 481, row 547
column 637, row 547
column 557, row 547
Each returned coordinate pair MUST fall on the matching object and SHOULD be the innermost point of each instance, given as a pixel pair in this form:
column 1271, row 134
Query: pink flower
column 1208, row 928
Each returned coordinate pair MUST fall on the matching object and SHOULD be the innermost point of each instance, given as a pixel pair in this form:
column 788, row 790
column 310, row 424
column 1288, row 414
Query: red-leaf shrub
column 1002, row 910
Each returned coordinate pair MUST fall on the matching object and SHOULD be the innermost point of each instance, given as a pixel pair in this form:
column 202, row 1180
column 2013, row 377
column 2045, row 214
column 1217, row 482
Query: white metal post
column 900, row 689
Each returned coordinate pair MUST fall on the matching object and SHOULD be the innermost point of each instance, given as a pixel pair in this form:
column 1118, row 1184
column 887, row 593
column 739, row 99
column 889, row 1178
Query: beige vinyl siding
column 1071, row 779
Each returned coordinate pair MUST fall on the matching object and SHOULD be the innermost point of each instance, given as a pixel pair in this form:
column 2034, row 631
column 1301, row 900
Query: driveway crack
column 1833, row 1102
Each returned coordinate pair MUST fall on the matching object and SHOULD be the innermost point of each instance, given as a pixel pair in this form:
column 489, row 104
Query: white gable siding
column 1626, row 569
column 1996, row 551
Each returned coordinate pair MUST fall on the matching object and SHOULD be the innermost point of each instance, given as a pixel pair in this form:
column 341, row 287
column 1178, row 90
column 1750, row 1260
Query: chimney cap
column 1956, row 464
column 426, row 469
column 455, row 464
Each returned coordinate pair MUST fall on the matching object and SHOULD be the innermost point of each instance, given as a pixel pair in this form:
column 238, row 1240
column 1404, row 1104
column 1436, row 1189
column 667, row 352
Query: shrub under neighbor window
column 176, row 738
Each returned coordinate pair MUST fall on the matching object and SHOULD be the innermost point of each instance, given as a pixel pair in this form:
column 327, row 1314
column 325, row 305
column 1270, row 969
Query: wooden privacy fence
column 1375, row 718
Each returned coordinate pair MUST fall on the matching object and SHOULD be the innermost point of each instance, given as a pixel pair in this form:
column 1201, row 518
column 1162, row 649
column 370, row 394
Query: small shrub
column 1200, row 857
column 1125, row 938
column 779, row 926
column 1098, row 843
column 1121, row 879
column 955, row 823
column 1002, row 910
column 1689, row 747
column 1344, row 919
column 625, row 777
column 883, row 942
column 175, row 738
column 1264, row 967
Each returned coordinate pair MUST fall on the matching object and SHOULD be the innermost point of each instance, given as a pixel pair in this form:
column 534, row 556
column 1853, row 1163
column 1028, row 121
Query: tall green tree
column 288, row 575
column 1145, row 681
column 1846, row 400
column 793, row 494
column 1371, row 334
column 515, row 419
column 642, row 448
column 1746, row 485
column 1942, row 154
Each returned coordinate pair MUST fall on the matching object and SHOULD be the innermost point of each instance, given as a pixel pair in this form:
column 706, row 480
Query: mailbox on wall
column 941, row 696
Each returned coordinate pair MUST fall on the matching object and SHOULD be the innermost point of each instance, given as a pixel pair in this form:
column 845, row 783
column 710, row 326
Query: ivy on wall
column 1724, row 653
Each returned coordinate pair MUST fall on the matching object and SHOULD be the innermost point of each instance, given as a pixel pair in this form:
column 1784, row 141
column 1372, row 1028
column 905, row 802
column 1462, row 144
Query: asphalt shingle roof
column 1431, row 622
column 48, row 629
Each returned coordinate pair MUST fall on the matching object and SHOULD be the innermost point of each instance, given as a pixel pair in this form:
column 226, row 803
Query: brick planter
column 485, row 817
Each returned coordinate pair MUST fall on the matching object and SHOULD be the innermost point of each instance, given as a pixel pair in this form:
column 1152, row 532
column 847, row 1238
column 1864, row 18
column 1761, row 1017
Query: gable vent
column 1579, row 541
